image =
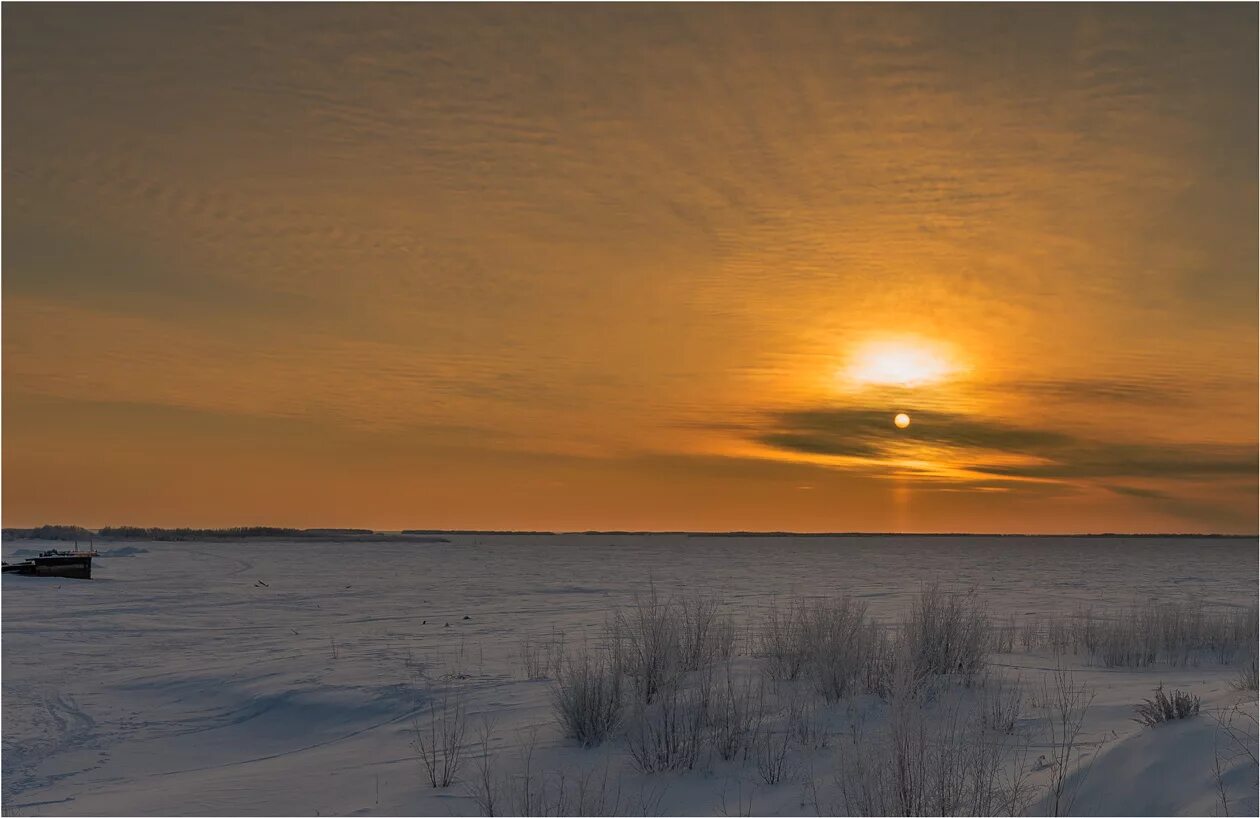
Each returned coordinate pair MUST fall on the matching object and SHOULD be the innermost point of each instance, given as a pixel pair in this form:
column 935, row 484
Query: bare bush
column 542, row 658
column 742, row 804
column 440, row 745
column 588, row 697
column 561, row 792
column 770, row 752
column 706, row 636
column 1001, row 703
column 1002, row 636
column 806, row 725
column 865, row 783
column 841, row 644
column 883, row 650
column 1175, row 633
column 533, row 664
column 521, row 793
column 893, row 671
column 1162, row 707
column 832, row 643
column 736, row 715
column 1241, row 728
column 1030, row 633
column 1060, row 636
column 748, row 639
column 484, row 790
column 670, row 733
column 1239, row 633
column 1127, row 639
column 659, row 639
column 930, row 761
column 590, row 792
column 946, row 633
column 785, row 640
column 1064, row 705
column 647, row 643
column 1249, row 677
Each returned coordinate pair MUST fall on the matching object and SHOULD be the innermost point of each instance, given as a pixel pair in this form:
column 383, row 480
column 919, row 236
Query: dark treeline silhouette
column 469, row 531
column 132, row 532
column 49, row 532
column 867, row 534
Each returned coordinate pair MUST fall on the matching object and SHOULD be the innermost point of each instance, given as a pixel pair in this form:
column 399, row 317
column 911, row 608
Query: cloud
column 1177, row 386
column 1092, row 390
column 988, row 447
column 578, row 231
column 1189, row 509
column 1169, row 461
column 1135, row 491
column 872, row 429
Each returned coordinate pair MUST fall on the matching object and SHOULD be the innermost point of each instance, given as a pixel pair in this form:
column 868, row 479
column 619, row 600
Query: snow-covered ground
column 284, row 678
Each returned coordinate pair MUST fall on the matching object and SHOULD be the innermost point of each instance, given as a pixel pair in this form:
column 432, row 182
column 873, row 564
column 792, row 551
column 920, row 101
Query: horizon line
column 334, row 530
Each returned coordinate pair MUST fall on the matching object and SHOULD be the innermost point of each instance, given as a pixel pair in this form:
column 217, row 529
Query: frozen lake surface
column 266, row 677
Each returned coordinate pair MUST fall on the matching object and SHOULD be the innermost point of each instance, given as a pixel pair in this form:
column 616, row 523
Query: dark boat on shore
column 54, row 563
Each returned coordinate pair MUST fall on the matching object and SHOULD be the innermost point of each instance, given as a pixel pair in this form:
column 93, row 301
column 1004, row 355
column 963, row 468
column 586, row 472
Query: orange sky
column 625, row 267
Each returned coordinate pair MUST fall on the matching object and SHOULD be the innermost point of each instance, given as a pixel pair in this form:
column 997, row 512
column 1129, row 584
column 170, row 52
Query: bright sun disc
column 902, row 420
column 898, row 363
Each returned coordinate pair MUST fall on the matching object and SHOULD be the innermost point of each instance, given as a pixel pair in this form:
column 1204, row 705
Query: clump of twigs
column 1162, row 707
column 440, row 745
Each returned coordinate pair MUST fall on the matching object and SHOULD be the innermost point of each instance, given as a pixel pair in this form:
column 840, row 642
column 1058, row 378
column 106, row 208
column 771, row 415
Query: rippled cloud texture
column 599, row 266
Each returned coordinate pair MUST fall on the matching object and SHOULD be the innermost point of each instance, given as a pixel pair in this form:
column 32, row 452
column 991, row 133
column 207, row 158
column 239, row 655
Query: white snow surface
column 177, row 682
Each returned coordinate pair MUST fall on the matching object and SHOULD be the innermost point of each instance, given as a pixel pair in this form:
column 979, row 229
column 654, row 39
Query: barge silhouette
column 54, row 563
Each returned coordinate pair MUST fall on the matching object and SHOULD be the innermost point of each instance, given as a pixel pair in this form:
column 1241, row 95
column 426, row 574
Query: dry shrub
column 1175, row 633
column 930, row 760
column 807, row 725
column 785, row 640
column 1002, row 636
column 658, row 639
column 946, row 632
column 1030, row 633
column 832, row 643
column 440, row 745
column 588, row 697
column 1064, row 704
column 706, row 635
column 737, row 714
column 647, row 643
column 1060, row 636
column 671, row 732
column 842, row 645
column 562, row 792
column 1249, row 677
column 1001, row 703
column 770, row 753
column 1162, row 707
column 541, row 658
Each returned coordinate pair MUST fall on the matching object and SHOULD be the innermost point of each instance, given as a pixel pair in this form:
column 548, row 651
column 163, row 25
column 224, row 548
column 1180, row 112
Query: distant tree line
column 132, row 532
column 49, row 532
column 425, row 531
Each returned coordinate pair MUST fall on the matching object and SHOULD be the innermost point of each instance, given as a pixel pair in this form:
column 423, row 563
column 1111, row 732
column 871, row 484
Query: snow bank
column 274, row 678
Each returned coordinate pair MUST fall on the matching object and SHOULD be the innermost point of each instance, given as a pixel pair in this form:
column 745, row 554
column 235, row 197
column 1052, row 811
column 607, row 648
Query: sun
column 902, row 420
column 898, row 363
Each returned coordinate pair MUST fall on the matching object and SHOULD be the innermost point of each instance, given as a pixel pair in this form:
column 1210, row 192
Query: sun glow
column 898, row 363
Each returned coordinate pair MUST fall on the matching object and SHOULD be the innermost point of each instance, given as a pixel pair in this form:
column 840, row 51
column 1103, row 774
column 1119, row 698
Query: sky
column 631, row 266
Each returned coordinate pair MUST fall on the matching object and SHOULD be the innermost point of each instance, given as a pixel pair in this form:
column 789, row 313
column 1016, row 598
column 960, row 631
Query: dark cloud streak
column 986, row 446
